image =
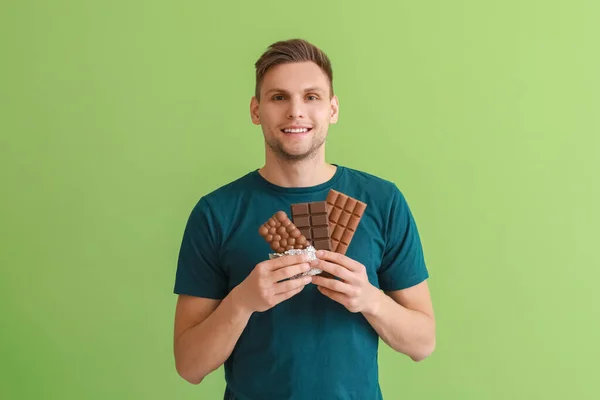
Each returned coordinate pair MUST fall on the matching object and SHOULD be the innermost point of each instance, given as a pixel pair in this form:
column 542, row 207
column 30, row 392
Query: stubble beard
column 278, row 149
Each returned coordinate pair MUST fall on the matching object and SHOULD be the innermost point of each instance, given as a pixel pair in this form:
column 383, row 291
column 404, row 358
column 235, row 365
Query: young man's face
column 295, row 110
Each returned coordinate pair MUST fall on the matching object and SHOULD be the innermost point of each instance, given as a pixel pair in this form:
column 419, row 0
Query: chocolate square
column 313, row 222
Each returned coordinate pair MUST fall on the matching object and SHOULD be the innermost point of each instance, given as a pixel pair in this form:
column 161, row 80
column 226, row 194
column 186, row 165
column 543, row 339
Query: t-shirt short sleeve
column 403, row 264
column 199, row 272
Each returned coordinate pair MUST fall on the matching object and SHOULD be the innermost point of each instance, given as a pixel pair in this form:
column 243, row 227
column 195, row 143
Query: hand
column 354, row 291
column 263, row 289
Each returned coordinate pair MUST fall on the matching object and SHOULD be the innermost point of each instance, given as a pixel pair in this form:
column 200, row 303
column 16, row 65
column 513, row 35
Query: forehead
column 295, row 77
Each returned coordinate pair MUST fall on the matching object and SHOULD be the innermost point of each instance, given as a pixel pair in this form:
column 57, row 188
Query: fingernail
column 314, row 262
column 319, row 253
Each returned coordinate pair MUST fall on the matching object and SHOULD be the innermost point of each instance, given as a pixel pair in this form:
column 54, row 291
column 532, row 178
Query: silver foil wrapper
column 312, row 255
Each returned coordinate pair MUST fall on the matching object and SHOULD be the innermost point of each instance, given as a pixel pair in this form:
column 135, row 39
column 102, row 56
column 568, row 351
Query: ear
column 335, row 110
column 254, row 115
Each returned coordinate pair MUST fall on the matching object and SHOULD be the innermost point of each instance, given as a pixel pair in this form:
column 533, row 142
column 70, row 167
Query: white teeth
column 296, row 130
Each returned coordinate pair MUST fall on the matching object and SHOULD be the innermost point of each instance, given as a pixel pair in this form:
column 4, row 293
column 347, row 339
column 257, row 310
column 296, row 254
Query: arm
column 206, row 331
column 404, row 319
column 403, row 316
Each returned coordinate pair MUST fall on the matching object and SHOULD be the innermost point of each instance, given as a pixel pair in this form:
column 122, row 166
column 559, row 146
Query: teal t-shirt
column 309, row 346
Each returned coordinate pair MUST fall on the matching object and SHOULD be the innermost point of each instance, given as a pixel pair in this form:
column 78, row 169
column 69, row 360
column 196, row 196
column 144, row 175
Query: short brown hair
column 289, row 51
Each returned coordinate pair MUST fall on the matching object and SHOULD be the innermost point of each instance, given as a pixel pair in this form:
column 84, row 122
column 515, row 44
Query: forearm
column 407, row 331
column 205, row 347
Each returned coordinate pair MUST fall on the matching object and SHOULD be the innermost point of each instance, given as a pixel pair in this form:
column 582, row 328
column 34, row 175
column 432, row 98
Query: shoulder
column 370, row 180
column 225, row 196
column 230, row 190
column 377, row 189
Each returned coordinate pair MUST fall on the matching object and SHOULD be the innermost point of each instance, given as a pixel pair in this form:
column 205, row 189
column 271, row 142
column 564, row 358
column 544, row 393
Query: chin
column 296, row 156
column 290, row 152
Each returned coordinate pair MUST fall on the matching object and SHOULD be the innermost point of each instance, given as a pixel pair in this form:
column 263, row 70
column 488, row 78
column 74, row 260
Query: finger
column 289, row 271
column 333, row 284
column 333, row 295
column 340, row 259
column 290, row 293
column 291, row 284
column 334, row 269
column 284, row 261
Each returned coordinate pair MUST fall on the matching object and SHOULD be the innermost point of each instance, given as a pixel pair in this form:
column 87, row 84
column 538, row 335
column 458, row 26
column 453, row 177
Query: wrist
column 238, row 304
column 376, row 298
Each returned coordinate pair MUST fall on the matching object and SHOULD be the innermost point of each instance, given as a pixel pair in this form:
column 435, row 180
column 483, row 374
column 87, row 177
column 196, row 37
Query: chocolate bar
column 282, row 234
column 344, row 214
column 313, row 222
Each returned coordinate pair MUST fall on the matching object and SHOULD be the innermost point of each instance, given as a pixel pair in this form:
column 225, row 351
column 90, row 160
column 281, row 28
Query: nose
column 296, row 109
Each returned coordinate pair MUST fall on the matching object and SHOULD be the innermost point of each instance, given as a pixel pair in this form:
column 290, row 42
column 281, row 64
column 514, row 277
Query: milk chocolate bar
column 344, row 213
column 313, row 222
column 282, row 234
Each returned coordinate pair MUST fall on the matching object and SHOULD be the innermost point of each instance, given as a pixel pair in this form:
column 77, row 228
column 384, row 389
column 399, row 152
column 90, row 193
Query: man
column 310, row 337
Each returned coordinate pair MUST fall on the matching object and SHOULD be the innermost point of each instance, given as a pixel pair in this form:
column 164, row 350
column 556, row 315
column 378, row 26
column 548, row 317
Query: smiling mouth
column 301, row 130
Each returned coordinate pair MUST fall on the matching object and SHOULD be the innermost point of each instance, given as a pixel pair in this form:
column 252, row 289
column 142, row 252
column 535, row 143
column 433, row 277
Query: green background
column 116, row 116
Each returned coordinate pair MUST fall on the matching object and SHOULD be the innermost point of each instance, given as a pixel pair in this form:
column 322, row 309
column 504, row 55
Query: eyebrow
column 311, row 89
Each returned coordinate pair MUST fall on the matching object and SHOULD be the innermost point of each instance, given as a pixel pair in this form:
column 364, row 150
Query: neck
column 303, row 173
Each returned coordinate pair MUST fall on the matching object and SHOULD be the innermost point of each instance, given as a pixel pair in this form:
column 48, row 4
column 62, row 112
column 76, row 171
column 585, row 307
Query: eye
column 312, row 97
column 277, row 97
